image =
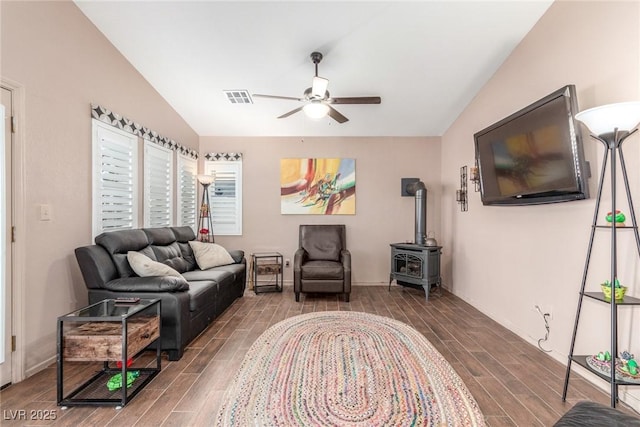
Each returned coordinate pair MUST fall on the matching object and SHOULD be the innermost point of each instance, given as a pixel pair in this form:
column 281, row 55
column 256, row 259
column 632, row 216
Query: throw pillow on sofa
column 144, row 266
column 209, row 255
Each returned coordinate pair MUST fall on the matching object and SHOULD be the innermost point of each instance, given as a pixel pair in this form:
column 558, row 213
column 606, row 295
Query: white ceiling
column 426, row 59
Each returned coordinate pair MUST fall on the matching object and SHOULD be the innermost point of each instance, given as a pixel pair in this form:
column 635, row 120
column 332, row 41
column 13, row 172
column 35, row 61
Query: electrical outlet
column 287, row 263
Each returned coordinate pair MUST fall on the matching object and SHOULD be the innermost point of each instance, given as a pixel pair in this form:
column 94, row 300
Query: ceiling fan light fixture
column 319, row 87
column 316, row 109
column 318, row 101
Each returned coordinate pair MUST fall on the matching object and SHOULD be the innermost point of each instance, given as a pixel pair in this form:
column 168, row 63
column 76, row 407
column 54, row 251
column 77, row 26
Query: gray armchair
column 322, row 263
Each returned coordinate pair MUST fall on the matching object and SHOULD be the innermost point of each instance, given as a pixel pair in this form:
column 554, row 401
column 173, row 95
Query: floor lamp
column 611, row 125
column 205, row 224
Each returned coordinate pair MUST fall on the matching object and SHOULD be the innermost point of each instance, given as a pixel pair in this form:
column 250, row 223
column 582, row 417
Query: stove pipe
column 418, row 190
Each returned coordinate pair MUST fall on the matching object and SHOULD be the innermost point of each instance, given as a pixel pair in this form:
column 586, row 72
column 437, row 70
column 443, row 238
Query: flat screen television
column 535, row 155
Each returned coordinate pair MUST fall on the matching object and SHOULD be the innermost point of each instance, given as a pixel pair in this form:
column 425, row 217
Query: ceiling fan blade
column 291, row 98
column 319, row 87
column 290, row 113
column 356, row 100
column 336, row 115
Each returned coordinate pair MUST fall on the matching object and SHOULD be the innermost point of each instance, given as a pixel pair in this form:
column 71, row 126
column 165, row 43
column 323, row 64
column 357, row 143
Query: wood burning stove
column 415, row 266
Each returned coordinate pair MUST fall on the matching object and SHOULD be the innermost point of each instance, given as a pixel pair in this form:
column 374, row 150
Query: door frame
column 19, row 222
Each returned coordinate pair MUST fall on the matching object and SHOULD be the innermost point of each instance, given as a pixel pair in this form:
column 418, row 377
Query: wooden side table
column 111, row 332
column 267, row 272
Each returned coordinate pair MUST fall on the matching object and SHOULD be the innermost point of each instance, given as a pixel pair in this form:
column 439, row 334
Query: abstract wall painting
column 318, row 186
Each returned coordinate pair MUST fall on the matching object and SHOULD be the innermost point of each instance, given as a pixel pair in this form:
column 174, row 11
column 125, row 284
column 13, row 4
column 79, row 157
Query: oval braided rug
column 343, row 368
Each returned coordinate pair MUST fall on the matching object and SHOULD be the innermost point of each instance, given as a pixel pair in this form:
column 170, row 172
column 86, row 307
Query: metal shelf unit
column 612, row 151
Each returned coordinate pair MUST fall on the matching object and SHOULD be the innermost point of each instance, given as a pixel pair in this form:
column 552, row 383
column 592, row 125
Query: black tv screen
column 535, row 155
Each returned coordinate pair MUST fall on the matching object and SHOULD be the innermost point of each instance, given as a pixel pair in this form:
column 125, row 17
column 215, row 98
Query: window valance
column 229, row 157
column 107, row 116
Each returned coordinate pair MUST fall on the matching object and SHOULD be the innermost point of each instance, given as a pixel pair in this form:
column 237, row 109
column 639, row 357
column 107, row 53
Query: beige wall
column 504, row 260
column 382, row 215
column 64, row 64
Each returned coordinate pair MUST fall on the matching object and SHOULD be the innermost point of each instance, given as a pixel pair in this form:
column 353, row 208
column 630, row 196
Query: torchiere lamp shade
column 624, row 116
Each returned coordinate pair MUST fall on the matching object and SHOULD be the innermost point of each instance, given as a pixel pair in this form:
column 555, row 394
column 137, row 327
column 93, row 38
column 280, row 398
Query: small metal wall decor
column 474, row 176
column 461, row 194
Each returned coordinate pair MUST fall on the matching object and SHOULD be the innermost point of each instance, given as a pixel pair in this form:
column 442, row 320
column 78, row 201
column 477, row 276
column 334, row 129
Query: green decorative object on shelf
column 629, row 364
column 115, row 382
column 626, row 367
column 631, row 367
column 604, row 357
column 619, row 218
column 619, row 290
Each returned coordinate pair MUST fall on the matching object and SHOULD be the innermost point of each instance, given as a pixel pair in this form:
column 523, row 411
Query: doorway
column 6, row 221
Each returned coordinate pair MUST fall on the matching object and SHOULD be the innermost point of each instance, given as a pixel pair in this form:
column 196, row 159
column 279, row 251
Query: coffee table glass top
column 109, row 309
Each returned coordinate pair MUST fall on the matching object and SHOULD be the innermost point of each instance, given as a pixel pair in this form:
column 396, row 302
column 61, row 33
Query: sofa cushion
column 209, row 255
column 166, row 248
column 148, row 284
column 322, row 270
column 183, row 235
column 216, row 275
column 172, row 256
column 188, row 257
column 160, row 236
column 235, row 269
column 587, row 413
column 202, row 294
column 118, row 243
column 144, row 266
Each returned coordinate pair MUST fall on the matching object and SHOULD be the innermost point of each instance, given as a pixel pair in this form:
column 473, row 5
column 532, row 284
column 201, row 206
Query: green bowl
column 606, row 290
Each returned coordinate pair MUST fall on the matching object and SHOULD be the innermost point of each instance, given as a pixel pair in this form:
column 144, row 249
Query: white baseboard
column 289, row 283
column 40, row 366
column 369, row 283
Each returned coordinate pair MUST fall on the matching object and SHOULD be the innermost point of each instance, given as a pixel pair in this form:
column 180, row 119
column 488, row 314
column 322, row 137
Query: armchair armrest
column 299, row 258
column 96, row 266
column 345, row 259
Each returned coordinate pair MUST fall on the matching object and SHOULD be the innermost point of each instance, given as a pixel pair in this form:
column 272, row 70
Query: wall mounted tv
column 535, row 155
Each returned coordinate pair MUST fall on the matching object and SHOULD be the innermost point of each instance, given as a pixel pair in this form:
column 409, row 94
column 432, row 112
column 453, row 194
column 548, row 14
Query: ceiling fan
column 317, row 99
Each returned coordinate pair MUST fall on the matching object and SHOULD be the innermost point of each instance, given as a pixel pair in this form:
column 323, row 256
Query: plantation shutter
column 158, row 185
column 225, row 196
column 187, row 191
column 115, row 169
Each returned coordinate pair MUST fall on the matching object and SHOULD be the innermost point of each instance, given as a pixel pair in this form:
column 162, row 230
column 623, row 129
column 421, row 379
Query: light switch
column 45, row 212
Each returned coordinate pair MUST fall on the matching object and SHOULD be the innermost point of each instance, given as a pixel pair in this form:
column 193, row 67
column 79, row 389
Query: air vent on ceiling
column 238, row 96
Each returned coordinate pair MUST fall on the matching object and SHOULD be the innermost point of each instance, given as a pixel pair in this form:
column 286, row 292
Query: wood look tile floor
column 514, row 382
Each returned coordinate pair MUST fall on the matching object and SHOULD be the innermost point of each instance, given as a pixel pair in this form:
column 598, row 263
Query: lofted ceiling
column 425, row 59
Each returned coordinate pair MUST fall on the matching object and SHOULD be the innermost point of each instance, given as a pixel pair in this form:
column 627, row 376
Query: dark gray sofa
column 185, row 313
column 585, row 414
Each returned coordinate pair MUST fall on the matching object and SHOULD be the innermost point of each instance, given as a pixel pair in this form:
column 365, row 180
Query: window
column 158, row 185
column 187, row 189
column 115, row 179
column 225, row 196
